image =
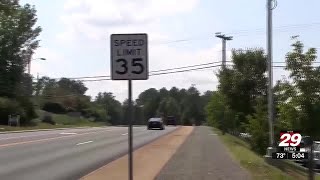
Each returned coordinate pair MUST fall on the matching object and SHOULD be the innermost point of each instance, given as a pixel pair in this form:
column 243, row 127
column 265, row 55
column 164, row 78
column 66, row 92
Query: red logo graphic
column 290, row 138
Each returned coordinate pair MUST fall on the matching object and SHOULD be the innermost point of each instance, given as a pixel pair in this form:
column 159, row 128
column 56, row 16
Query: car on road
column 171, row 120
column 156, row 123
column 303, row 148
column 316, row 154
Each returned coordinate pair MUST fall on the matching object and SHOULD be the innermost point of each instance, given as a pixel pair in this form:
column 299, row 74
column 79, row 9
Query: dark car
column 171, row 120
column 156, row 123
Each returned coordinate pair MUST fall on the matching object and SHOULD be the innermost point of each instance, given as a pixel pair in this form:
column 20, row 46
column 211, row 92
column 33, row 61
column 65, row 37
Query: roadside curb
column 35, row 130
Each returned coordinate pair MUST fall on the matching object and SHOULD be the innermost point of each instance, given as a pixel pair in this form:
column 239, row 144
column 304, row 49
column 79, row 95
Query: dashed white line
column 124, row 134
column 87, row 142
column 66, row 133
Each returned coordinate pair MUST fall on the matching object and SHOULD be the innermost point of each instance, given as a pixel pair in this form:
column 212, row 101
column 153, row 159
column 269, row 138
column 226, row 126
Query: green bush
column 29, row 110
column 258, row 128
column 53, row 107
column 8, row 107
column 100, row 115
column 70, row 109
column 47, row 118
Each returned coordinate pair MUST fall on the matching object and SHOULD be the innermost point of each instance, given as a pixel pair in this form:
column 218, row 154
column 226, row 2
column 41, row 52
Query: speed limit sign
column 129, row 57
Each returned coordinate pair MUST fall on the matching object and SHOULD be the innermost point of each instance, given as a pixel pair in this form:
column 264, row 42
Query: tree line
column 66, row 95
column 240, row 103
column 21, row 93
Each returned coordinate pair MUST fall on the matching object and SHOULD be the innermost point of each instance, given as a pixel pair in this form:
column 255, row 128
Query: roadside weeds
column 255, row 164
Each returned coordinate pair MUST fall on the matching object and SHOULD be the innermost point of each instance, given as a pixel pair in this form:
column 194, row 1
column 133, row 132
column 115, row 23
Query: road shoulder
column 202, row 156
column 148, row 160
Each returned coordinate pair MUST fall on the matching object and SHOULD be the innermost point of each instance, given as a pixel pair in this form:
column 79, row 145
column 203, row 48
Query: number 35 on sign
column 129, row 57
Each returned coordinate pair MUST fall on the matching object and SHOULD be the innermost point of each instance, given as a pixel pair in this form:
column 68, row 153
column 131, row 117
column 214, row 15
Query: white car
column 316, row 154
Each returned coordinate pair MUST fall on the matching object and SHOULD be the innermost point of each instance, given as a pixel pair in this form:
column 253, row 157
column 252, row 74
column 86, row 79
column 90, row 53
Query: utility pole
column 270, row 7
column 224, row 52
column 224, row 60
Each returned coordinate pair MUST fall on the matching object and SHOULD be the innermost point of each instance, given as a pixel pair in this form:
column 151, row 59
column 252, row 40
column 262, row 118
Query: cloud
column 47, row 67
column 92, row 22
column 96, row 19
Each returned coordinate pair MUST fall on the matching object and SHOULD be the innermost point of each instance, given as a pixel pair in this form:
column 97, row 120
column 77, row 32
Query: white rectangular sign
column 129, row 57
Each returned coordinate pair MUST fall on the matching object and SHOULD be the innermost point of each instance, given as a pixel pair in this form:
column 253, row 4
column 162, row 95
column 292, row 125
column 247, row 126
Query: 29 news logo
column 290, row 141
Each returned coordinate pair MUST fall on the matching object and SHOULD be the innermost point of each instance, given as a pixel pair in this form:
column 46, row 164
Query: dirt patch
column 147, row 160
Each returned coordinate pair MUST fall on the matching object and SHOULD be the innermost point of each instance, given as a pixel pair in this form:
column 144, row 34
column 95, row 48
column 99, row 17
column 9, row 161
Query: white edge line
column 62, row 133
column 87, row 142
column 67, row 133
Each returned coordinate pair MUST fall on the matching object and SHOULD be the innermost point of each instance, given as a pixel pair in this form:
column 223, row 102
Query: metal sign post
column 129, row 61
column 130, row 129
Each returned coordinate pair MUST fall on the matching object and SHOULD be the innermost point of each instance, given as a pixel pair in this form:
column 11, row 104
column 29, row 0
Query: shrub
column 70, row 109
column 28, row 107
column 257, row 127
column 54, row 108
column 47, row 118
column 100, row 115
column 8, row 107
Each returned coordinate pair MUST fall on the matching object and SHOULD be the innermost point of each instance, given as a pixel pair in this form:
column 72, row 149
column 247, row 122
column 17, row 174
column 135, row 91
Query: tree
column 168, row 107
column 244, row 82
column 24, row 87
column 174, row 93
column 186, row 105
column 205, row 98
column 193, row 105
column 306, row 80
column 215, row 111
column 172, row 107
column 162, row 109
column 286, row 106
column 150, row 99
column 17, row 43
column 72, row 86
column 112, row 107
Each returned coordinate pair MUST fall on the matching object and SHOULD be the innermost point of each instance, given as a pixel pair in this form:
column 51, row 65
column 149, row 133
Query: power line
column 156, row 74
column 183, row 67
column 169, row 69
column 161, row 73
column 93, row 78
column 184, row 70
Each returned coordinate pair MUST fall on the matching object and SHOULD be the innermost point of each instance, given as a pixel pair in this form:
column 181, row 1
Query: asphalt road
column 66, row 154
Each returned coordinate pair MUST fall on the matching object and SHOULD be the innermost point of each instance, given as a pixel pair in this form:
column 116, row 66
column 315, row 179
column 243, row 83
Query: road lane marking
column 213, row 134
column 50, row 133
column 48, row 139
column 124, row 134
column 87, row 142
column 66, row 133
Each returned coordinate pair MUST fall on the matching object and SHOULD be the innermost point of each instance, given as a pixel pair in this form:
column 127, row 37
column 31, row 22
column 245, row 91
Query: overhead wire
column 161, row 73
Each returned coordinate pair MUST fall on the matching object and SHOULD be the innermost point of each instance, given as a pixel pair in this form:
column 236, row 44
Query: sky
column 76, row 37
